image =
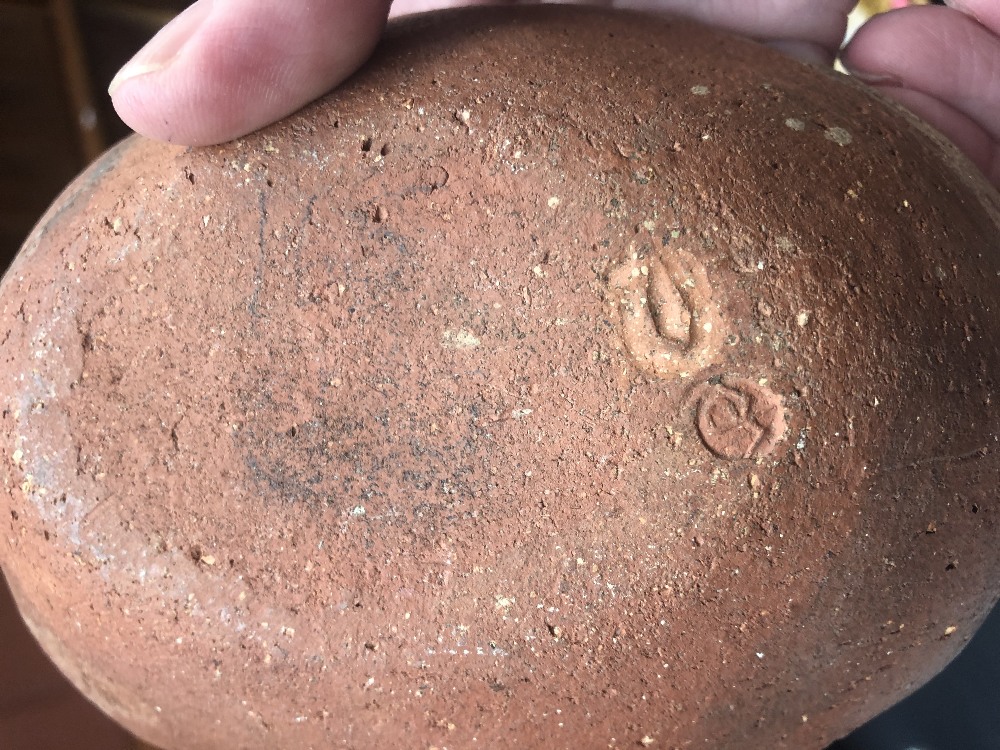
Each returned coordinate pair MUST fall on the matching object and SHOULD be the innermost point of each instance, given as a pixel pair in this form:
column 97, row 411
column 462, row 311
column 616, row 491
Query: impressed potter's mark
column 668, row 317
column 738, row 418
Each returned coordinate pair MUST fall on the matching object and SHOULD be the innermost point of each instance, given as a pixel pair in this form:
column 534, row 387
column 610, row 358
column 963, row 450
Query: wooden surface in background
column 57, row 58
column 39, row 147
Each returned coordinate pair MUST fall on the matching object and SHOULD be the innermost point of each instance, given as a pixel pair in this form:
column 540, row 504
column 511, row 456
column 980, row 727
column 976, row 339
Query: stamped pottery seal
column 668, row 317
column 739, row 418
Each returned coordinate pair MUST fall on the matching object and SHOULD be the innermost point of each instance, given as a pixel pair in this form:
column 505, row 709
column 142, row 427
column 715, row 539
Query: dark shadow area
column 957, row 710
column 39, row 709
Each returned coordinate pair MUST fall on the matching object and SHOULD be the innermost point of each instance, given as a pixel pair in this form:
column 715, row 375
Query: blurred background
column 56, row 60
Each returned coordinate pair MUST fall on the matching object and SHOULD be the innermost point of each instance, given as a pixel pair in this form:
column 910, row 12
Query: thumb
column 223, row 68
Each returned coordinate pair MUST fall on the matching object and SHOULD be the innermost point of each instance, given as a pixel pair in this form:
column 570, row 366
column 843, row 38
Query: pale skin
column 224, row 68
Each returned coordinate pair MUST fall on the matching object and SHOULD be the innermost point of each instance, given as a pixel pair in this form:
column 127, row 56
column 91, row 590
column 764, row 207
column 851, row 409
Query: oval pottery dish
column 566, row 379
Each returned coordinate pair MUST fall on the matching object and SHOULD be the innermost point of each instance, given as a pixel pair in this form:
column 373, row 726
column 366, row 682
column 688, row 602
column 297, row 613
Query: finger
column 987, row 12
column 943, row 55
column 223, row 68
column 807, row 28
column 964, row 132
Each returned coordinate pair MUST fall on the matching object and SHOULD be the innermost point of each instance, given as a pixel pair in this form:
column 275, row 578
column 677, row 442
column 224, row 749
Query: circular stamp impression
column 669, row 321
column 739, row 418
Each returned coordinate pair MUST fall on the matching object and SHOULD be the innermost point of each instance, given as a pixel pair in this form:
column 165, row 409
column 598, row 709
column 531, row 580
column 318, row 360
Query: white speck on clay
column 460, row 339
column 801, row 444
column 795, row 124
column 700, row 90
column 839, row 136
column 785, row 244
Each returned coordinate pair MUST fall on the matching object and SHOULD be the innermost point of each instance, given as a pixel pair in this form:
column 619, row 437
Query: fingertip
column 986, row 12
column 958, row 127
column 162, row 120
column 147, row 67
column 241, row 64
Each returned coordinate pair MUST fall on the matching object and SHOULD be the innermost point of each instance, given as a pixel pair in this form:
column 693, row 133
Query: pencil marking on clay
column 669, row 321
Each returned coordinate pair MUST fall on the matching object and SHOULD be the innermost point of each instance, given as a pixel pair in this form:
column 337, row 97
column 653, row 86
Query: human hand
column 226, row 67
column 944, row 64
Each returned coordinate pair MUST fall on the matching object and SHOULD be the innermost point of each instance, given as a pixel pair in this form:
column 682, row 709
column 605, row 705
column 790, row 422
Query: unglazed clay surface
column 567, row 379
